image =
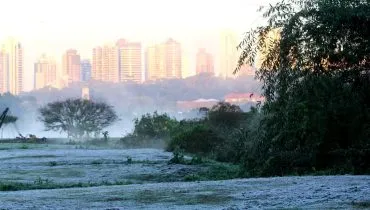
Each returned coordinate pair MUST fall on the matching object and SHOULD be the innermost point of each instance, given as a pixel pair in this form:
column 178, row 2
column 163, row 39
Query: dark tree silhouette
column 77, row 117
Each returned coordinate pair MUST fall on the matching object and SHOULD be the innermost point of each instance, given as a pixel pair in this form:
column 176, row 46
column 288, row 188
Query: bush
column 178, row 157
column 225, row 114
column 151, row 130
column 198, row 139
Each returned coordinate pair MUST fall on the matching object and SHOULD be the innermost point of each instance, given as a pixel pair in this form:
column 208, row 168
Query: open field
column 51, row 176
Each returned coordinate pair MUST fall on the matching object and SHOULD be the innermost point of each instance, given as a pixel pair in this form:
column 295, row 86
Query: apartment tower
column 204, row 62
column 71, row 66
column 129, row 61
column 11, row 67
column 45, row 73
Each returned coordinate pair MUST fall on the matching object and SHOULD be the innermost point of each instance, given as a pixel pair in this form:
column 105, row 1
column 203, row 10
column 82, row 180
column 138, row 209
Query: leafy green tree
column 315, row 75
column 197, row 139
column 225, row 114
column 153, row 125
column 77, row 117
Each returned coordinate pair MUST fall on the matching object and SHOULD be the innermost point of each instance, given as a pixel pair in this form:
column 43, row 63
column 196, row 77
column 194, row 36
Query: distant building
column 164, row 61
column 204, row 62
column 246, row 70
column 4, row 82
column 196, row 104
column 155, row 62
column 173, row 59
column 186, row 70
column 241, row 98
column 72, row 66
column 96, row 66
column 105, row 64
column 11, row 67
column 45, row 73
column 85, row 93
column 228, row 53
column 129, row 61
column 85, row 70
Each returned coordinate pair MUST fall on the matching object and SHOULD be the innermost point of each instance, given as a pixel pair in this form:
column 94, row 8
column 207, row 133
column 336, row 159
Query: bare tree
column 77, row 117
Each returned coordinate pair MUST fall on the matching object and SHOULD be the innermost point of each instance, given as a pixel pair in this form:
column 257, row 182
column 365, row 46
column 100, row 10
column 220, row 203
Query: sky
column 53, row 26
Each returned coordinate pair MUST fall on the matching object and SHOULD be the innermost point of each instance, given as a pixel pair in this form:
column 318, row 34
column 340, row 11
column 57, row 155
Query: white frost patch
column 82, row 165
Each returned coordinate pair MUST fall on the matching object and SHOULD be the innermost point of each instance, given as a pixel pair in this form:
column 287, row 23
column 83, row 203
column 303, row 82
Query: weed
column 361, row 204
column 24, row 146
column 41, row 181
column 52, row 163
column 192, row 177
column 196, row 160
column 129, row 160
column 215, row 171
column 97, row 162
column 178, row 157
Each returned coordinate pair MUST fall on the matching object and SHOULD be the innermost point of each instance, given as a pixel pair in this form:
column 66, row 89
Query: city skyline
column 125, row 61
column 54, row 27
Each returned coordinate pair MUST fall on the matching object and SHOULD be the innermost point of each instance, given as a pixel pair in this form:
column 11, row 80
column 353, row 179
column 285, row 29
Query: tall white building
column 105, row 63
column 45, row 73
column 164, row 61
column 72, row 66
column 11, row 67
column 129, row 61
column 228, row 53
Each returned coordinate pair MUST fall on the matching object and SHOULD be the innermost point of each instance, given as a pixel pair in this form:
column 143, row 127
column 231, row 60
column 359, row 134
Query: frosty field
column 93, row 178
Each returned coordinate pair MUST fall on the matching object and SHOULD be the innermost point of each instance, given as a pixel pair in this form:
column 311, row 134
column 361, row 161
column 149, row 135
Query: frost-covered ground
column 150, row 183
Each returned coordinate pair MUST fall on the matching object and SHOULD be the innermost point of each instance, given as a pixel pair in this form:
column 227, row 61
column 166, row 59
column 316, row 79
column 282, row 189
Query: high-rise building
column 105, row 64
column 110, row 71
column 129, row 61
column 96, row 66
column 228, row 53
column 72, row 66
column 11, row 67
column 173, row 59
column 204, row 62
column 187, row 71
column 45, row 73
column 4, row 87
column 85, row 70
column 164, row 61
column 155, row 57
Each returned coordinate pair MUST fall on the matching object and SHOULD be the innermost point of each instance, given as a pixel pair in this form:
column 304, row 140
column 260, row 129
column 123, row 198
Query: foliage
column 315, row 75
column 215, row 171
column 178, row 157
column 106, row 135
column 77, row 117
column 150, row 130
column 153, row 126
column 224, row 113
column 129, row 160
column 198, row 139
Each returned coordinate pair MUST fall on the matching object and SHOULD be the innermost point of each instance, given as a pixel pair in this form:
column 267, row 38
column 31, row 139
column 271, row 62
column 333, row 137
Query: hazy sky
column 52, row 26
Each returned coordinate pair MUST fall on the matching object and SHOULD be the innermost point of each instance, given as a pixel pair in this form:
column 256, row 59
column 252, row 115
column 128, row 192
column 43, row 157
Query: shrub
column 178, row 157
column 225, row 114
column 198, row 139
